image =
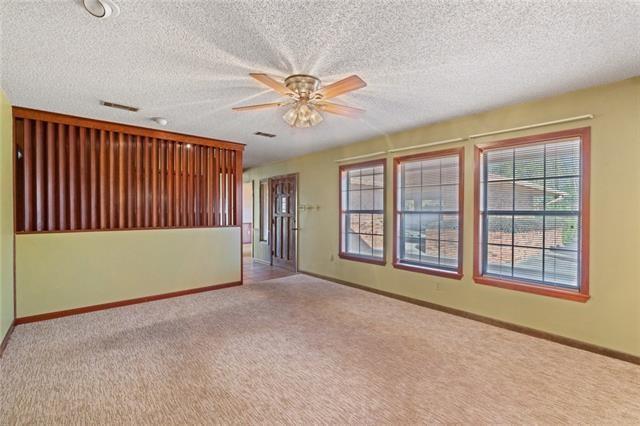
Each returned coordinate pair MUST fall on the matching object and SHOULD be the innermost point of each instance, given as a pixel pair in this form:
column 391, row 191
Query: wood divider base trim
column 5, row 340
column 567, row 341
column 103, row 306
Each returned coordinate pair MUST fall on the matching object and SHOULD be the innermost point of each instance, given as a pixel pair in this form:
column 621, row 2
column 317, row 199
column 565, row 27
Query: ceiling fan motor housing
column 302, row 84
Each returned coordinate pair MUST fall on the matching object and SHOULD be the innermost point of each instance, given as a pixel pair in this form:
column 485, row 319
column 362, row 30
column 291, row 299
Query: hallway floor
column 254, row 272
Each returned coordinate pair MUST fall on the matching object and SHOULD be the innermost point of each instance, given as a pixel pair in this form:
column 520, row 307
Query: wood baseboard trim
column 103, row 306
column 5, row 340
column 491, row 321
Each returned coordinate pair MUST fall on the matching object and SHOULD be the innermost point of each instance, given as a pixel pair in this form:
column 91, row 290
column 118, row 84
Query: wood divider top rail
column 54, row 117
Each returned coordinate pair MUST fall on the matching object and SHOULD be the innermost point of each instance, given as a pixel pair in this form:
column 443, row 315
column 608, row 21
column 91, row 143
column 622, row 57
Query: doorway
column 283, row 224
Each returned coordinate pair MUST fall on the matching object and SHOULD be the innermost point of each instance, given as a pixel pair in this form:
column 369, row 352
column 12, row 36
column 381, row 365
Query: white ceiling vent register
column 101, row 9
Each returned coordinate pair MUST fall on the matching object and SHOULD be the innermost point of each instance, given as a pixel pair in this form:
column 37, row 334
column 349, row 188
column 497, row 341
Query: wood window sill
column 543, row 290
column 429, row 271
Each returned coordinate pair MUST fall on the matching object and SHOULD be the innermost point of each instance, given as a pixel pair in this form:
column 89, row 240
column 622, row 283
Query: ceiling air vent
column 119, row 106
column 266, row 135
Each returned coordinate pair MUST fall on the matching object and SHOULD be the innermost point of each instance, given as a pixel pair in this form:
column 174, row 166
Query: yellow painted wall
column 611, row 318
column 6, row 216
column 59, row 271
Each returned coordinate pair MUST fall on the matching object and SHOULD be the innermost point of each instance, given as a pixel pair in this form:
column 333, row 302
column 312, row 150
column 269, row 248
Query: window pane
column 561, row 232
column 353, row 202
column 449, row 253
column 378, row 199
column 353, row 221
column 449, row 227
column 411, row 199
column 378, row 224
column 500, row 195
column 529, row 162
column 527, row 263
column 430, row 226
column 499, row 260
column 528, row 231
column 378, row 180
column 430, row 198
column 431, row 172
column 366, row 199
column 411, row 174
column 500, row 230
column 563, row 159
column 450, row 173
column 563, row 194
column 500, row 164
column 561, row 267
column 530, row 194
column 450, row 197
column 366, row 224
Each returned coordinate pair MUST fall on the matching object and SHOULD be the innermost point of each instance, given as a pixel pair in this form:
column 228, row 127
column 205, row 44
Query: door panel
column 283, row 221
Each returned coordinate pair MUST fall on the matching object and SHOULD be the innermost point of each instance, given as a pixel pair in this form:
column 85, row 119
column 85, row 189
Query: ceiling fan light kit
column 307, row 98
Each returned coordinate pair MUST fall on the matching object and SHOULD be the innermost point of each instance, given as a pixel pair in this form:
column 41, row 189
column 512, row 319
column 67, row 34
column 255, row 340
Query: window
column 532, row 221
column 428, row 212
column 264, row 210
column 362, row 212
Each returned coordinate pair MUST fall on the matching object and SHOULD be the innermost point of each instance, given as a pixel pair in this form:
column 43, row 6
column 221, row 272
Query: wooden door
column 283, row 221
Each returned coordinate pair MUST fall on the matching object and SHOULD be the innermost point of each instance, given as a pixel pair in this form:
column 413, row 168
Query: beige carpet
column 301, row 350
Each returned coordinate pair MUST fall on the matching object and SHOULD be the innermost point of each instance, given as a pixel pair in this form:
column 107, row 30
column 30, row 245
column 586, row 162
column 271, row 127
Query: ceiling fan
column 306, row 98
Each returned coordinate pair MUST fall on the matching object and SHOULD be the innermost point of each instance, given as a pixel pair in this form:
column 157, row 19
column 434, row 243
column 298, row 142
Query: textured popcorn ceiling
column 424, row 61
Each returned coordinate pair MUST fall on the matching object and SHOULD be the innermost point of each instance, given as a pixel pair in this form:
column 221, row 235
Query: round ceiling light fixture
column 160, row 120
column 101, row 9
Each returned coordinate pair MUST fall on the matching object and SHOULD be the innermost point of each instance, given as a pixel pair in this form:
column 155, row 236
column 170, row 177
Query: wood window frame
column 349, row 256
column 397, row 263
column 582, row 294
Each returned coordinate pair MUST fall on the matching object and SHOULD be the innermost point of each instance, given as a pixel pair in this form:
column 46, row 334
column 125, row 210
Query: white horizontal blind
column 428, row 213
column 531, row 213
column 362, row 215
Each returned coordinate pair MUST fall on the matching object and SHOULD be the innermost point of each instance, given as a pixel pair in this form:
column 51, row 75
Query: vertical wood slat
column 204, row 187
column 81, row 178
column 139, row 209
column 62, row 178
column 154, row 183
column 51, row 177
column 130, row 183
column 196, row 185
column 189, row 187
column 223, row 185
column 27, row 153
column 238, row 183
column 147, row 181
column 76, row 181
column 102, row 157
column 162, row 177
column 183, row 188
column 112, row 180
column 122, row 149
column 93, row 180
column 39, row 175
column 177, row 185
column 207, row 178
column 170, row 180
column 216, row 186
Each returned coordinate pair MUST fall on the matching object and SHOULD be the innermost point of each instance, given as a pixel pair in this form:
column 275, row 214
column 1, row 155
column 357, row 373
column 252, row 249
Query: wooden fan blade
column 345, row 85
column 259, row 106
column 275, row 85
column 340, row 109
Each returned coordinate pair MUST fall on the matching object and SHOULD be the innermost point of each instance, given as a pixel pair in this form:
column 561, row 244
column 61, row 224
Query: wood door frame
column 296, row 179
